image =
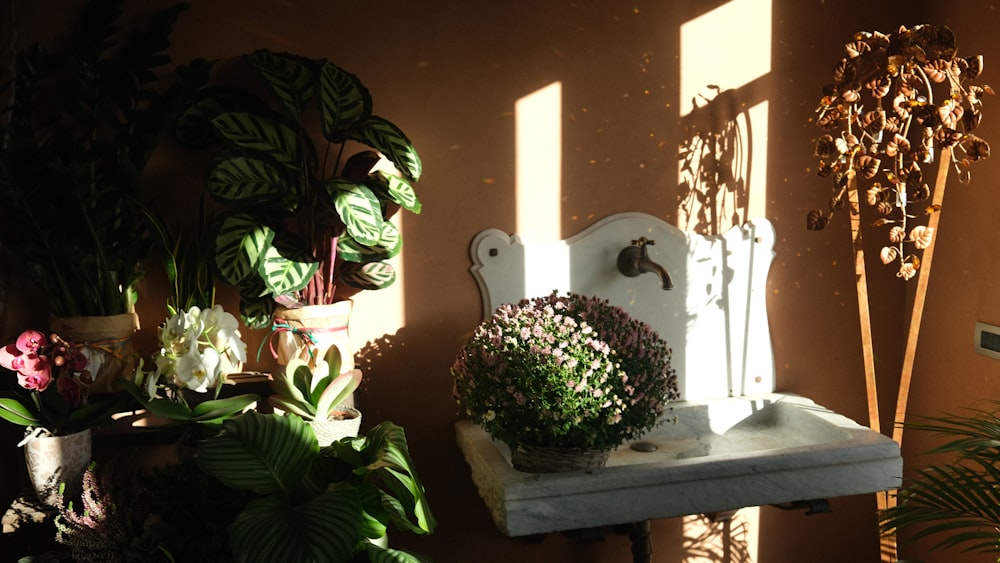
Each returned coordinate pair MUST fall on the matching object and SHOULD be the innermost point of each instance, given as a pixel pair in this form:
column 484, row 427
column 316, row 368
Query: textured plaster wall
column 450, row 73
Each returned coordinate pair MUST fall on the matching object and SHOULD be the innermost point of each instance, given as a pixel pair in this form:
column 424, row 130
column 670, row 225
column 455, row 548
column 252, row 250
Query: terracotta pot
column 107, row 343
column 52, row 460
column 333, row 429
column 308, row 332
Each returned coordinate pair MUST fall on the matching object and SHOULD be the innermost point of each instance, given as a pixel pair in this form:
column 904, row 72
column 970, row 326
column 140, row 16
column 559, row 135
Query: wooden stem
column 923, row 277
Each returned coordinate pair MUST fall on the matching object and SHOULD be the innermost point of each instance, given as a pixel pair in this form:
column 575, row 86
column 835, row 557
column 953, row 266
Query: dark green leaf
column 343, row 102
column 290, row 78
column 240, row 245
column 389, row 139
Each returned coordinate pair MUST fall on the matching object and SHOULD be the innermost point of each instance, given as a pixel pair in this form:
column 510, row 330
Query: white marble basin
column 710, row 456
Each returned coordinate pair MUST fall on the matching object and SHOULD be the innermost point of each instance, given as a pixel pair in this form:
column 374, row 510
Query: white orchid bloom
column 226, row 334
column 199, row 371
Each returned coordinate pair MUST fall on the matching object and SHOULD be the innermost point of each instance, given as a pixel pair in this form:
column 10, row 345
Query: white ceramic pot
column 330, row 430
column 52, row 460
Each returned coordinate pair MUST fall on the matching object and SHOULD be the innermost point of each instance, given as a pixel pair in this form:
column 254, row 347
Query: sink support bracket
column 812, row 506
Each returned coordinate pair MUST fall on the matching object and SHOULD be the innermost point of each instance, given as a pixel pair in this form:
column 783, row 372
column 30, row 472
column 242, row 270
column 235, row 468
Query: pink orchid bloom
column 10, row 357
column 30, row 341
column 39, row 378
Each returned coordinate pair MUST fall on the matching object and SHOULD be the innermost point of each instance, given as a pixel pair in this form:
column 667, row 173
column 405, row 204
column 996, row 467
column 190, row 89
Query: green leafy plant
column 956, row 501
column 316, row 504
column 299, row 220
column 313, row 392
column 77, row 132
column 568, row 371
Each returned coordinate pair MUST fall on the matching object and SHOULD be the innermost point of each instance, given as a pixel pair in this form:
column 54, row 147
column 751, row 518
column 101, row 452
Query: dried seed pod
column 826, row 147
column 897, row 234
column 816, row 220
column 922, row 236
column 888, row 254
column 884, row 208
column 977, row 148
column 868, row 166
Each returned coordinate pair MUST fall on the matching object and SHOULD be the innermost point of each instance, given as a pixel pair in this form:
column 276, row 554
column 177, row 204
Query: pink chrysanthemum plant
column 49, row 387
column 564, row 370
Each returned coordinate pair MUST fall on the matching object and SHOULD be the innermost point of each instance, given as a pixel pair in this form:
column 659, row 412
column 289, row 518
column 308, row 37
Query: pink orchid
column 30, row 341
column 37, row 380
column 10, row 357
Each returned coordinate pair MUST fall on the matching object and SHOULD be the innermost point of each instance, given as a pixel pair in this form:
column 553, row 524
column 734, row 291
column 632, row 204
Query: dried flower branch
column 887, row 141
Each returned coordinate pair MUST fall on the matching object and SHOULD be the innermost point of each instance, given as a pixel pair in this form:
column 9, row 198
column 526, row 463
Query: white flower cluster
column 198, row 348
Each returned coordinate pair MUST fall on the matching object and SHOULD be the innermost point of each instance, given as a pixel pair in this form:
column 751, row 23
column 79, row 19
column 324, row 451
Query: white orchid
column 193, row 347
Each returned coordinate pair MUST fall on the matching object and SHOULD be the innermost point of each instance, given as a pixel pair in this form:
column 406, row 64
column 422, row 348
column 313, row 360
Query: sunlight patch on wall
column 725, row 175
column 723, row 159
column 538, row 191
column 729, row 47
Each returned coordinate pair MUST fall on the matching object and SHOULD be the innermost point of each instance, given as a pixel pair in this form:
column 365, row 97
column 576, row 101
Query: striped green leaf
column 283, row 273
column 240, row 243
column 374, row 275
column 386, row 446
column 241, row 180
column 396, row 189
column 290, row 78
column 323, row 528
column 260, row 453
column 359, row 210
column 389, row 139
column 194, row 124
column 344, row 101
column 389, row 245
column 268, row 136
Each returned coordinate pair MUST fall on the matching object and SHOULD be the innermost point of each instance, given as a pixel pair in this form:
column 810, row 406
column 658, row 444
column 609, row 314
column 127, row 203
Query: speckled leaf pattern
column 239, row 243
column 245, row 180
column 290, row 78
column 374, row 275
column 359, row 209
column 389, row 245
column 261, row 134
column 343, row 101
column 383, row 135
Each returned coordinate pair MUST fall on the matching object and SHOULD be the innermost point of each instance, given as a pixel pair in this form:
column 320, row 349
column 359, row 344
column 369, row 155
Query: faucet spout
column 634, row 260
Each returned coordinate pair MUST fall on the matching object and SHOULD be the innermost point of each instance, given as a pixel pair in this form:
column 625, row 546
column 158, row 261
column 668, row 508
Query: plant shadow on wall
column 722, row 540
column 713, row 191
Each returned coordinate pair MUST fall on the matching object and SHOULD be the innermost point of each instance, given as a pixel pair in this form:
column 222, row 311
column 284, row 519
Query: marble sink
column 710, row 456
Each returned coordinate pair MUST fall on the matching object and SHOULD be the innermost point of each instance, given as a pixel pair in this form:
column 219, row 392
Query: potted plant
column 954, row 501
column 316, row 504
column 302, row 223
column 564, row 378
column 52, row 400
column 318, row 395
column 77, row 130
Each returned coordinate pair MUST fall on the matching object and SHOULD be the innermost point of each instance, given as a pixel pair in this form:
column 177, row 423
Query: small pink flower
column 30, row 341
column 38, row 379
column 10, row 357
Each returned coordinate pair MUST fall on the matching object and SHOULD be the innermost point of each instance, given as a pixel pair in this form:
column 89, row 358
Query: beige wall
column 449, row 73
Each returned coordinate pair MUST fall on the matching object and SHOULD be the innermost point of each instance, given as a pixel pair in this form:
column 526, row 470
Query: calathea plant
column 299, row 219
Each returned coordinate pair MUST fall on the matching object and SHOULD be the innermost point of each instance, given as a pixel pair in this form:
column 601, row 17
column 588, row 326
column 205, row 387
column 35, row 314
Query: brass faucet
column 634, row 260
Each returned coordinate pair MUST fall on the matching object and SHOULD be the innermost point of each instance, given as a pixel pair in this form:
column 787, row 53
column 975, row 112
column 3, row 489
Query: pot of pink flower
column 50, row 396
column 564, row 380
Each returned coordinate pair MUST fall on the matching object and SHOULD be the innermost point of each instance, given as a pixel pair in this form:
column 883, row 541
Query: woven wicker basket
column 542, row 459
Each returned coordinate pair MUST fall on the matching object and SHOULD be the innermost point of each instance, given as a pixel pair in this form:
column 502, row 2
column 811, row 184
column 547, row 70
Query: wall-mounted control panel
column 987, row 340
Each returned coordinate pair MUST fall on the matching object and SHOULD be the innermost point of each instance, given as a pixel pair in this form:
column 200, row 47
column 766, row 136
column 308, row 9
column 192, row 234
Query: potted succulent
column 318, row 394
column 564, row 379
column 302, row 225
column 76, row 132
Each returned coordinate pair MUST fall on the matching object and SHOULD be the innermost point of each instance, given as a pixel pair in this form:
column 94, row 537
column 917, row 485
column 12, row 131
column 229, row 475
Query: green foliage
column 957, row 502
column 78, row 130
column 311, row 503
column 313, row 392
column 297, row 225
